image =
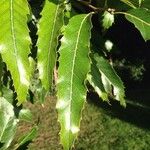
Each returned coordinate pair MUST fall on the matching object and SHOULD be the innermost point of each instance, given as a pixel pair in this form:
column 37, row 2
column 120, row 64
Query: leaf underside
column 74, row 66
column 49, row 30
column 14, row 43
column 140, row 18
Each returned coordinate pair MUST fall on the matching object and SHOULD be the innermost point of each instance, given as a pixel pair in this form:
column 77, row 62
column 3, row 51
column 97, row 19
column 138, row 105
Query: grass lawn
column 103, row 127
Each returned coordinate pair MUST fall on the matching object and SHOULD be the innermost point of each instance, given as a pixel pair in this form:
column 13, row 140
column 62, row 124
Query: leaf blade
column 139, row 17
column 109, row 75
column 14, row 43
column 8, row 123
column 28, row 137
column 94, row 78
column 74, row 66
column 49, row 26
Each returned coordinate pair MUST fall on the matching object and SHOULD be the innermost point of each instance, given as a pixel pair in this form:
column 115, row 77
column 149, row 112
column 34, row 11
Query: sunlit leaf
column 74, row 66
column 15, row 42
column 49, row 31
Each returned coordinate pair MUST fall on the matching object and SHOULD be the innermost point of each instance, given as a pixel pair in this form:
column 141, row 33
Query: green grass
column 103, row 127
column 102, row 130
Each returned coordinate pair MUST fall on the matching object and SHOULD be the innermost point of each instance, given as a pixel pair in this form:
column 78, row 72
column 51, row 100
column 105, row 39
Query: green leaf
column 8, row 123
column 117, row 4
column 129, row 3
column 108, row 20
column 14, row 43
column 73, row 69
column 1, row 74
column 26, row 115
column 140, row 2
column 49, row 30
column 28, row 137
column 109, row 77
column 140, row 18
column 94, row 78
column 8, row 94
column 146, row 4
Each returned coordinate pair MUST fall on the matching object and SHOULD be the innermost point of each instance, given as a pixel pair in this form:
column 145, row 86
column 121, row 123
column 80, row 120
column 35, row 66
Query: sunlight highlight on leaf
column 74, row 66
column 48, row 33
column 15, row 42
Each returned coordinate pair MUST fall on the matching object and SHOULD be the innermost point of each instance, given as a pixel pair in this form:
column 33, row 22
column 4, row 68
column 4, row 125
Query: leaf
column 74, row 66
column 8, row 123
column 109, row 75
column 140, row 2
column 117, row 4
column 146, row 4
column 8, row 94
column 108, row 20
column 28, row 137
column 1, row 74
column 94, row 78
column 49, row 31
column 14, row 43
column 129, row 3
column 26, row 115
column 140, row 18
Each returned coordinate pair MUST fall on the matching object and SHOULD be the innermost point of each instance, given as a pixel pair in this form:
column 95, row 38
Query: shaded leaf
column 140, row 18
column 8, row 94
column 26, row 115
column 8, row 123
column 107, row 85
column 94, row 78
column 130, row 3
column 110, row 78
column 146, row 4
column 49, row 30
column 28, row 137
column 74, row 66
column 14, row 43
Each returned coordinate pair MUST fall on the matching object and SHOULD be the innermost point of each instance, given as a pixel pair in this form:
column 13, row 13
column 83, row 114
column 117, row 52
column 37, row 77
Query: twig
column 96, row 9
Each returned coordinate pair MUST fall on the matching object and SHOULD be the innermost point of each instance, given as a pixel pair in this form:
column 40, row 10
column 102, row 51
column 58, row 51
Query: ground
column 102, row 127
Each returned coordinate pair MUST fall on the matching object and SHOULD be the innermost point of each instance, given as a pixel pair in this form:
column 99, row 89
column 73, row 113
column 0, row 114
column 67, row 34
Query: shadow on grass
column 24, row 146
column 137, row 111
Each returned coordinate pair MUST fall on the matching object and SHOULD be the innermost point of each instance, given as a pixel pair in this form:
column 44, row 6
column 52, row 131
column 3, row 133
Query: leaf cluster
column 58, row 51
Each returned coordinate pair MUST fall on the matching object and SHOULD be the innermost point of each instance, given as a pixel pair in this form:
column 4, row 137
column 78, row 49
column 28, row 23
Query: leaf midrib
column 73, row 66
column 12, row 28
column 13, row 34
